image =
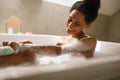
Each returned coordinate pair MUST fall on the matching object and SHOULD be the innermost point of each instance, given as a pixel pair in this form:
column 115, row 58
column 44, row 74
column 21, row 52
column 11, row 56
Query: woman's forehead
column 76, row 15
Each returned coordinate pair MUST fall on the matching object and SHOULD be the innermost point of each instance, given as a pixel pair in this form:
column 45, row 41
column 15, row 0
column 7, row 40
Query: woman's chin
column 70, row 32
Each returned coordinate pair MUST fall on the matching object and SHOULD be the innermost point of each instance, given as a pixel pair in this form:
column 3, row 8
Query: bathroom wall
column 36, row 16
column 42, row 17
column 114, row 34
column 100, row 27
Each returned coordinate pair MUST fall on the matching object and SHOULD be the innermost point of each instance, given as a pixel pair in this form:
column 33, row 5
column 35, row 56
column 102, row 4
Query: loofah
column 6, row 50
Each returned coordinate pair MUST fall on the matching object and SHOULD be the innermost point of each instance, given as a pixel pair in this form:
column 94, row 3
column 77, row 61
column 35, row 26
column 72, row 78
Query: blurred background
column 49, row 17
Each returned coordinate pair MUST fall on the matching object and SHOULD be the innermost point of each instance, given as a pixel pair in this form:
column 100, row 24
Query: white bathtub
column 105, row 65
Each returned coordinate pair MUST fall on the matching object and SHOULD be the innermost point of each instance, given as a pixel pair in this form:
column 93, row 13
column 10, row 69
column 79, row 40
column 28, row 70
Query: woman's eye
column 77, row 24
column 69, row 20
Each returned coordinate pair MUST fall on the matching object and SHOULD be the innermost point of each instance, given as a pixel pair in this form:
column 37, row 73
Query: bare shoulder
column 90, row 41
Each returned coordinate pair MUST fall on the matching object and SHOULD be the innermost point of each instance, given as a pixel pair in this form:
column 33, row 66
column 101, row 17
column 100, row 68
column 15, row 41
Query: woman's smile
column 71, row 30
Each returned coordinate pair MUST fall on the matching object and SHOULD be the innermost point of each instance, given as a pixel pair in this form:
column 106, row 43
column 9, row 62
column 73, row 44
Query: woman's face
column 75, row 23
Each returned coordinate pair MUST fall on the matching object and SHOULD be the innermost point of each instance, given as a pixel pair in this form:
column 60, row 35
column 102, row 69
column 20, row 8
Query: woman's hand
column 13, row 45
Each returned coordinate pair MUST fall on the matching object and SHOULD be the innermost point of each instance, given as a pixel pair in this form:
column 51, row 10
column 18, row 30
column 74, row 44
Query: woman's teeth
column 71, row 29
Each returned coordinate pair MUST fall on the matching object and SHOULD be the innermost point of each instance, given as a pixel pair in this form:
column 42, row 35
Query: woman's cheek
column 67, row 24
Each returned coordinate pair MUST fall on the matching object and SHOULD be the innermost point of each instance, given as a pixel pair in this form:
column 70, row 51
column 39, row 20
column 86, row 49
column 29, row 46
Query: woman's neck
column 79, row 35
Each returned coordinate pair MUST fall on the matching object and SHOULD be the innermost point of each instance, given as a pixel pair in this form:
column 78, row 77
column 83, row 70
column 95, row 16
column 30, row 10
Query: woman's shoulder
column 89, row 40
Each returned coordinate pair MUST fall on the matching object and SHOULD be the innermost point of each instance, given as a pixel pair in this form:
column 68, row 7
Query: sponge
column 6, row 50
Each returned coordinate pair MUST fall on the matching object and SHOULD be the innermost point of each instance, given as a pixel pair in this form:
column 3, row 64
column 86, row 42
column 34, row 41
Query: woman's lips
column 71, row 30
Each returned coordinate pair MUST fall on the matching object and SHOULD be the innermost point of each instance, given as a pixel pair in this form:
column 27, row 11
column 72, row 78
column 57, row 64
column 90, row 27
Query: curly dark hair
column 89, row 8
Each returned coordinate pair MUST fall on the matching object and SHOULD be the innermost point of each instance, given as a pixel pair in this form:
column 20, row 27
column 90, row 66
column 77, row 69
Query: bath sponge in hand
column 6, row 50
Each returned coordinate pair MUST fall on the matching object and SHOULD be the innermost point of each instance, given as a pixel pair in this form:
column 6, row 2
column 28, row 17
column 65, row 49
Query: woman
column 82, row 15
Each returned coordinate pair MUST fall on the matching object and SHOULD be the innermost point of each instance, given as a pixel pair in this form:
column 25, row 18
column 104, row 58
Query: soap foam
column 75, row 47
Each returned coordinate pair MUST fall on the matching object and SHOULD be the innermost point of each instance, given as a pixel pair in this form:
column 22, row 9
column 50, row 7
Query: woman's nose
column 71, row 24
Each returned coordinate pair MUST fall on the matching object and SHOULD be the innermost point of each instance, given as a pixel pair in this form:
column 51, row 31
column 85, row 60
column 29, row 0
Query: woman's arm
column 26, row 53
column 85, row 46
column 42, row 49
column 19, row 58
